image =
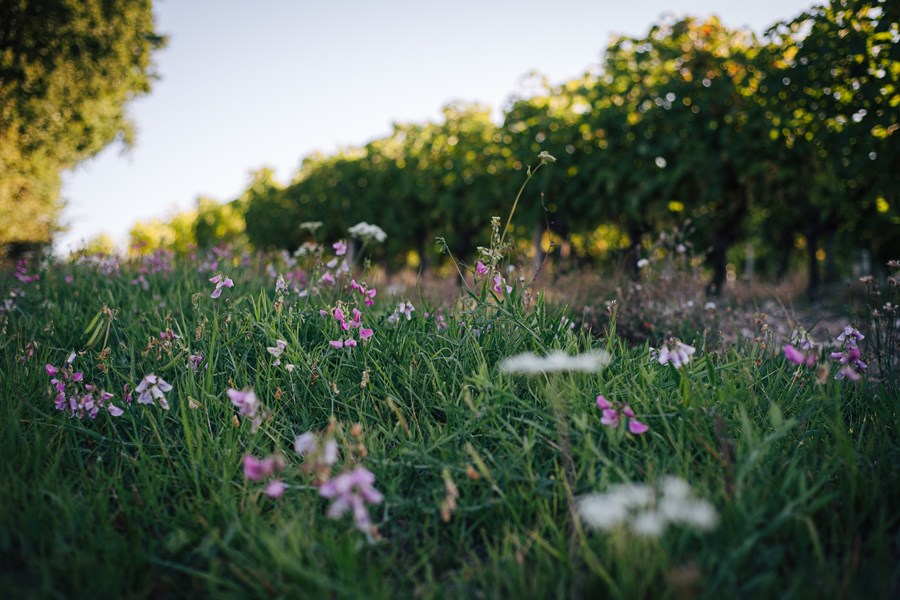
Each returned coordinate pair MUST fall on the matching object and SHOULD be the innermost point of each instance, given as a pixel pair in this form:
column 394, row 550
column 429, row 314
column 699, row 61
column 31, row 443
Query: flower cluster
column 21, row 273
column 277, row 350
column 347, row 325
column 674, row 352
column 647, row 510
column 367, row 232
column 260, row 469
column 404, row 308
column 802, row 350
column 220, row 281
column 365, row 291
column 351, row 490
column 849, row 355
column 248, row 405
column 613, row 415
column 153, row 387
column 74, row 395
column 530, row 364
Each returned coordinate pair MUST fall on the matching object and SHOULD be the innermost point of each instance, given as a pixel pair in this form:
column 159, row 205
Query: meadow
column 286, row 425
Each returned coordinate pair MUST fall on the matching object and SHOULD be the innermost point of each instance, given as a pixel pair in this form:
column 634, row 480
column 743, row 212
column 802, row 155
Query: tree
column 67, row 70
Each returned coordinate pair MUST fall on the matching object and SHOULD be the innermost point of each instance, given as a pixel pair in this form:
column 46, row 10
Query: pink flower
column 612, row 416
column 51, row 370
column 350, row 343
column 275, row 489
column 351, row 491
column 220, row 281
column 797, row 357
column 365, row 333
column 340, row 248
column 499, row 284
column 245, row 401
column 327, row 278
column 480, row 269
column 256, row 469
column 336, row 343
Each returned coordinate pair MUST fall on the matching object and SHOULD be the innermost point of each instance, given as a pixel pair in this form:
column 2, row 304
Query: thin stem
column 531, row 173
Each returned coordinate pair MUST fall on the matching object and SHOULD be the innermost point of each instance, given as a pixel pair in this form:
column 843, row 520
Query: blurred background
column 763, row 134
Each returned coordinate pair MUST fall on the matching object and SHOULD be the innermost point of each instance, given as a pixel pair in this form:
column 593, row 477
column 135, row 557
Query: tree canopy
column 67, row 70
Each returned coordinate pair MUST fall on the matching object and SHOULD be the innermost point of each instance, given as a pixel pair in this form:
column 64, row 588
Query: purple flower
column 340, row 248
column 153, row 388
column 220, row 281
column 352, row 491
column 480, row 269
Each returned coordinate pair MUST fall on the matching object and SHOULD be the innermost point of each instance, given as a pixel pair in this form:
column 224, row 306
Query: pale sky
column 246, row 84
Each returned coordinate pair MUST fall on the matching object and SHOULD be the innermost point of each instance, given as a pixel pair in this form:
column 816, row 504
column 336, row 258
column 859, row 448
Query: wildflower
column 850, row 336
column 365, row 333
column 340, row 248
column 647, row 510
column 280, row 285
column 851, row 364
column 499, row 284
column 278, row 349
column 327, row 278
column 153, row 388
column 274, row 489
column 220, row 281
column 352, row 491
column 798, row 357
column 546, row 158
column 406, row 309
column 259, row 469
column 849, row 357
column 337, row 343
column 480, row 269
column 612, row 416
column 710, row 306
column 194, row 361
column 245, row 401
column 643, row 263
column 529, row 363
column 367, row 232
column 675, row 352
column 306, row 443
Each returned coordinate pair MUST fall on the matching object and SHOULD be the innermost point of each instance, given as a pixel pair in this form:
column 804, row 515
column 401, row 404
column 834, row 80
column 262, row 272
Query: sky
column 249, row 84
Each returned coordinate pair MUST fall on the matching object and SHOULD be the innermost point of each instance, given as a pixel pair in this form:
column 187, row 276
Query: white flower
column 546, row 158
column 367, row 232
column 646, row 510
column 642, row 263
column 529, row 363
column 710, row 306
column 278, row 349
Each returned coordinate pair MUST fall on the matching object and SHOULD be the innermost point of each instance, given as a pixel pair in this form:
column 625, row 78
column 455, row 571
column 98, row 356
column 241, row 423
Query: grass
column 154, row 503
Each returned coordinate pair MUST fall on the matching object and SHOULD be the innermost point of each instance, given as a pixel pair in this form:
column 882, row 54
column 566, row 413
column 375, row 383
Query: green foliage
column 67, row 70
column 754, row 141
